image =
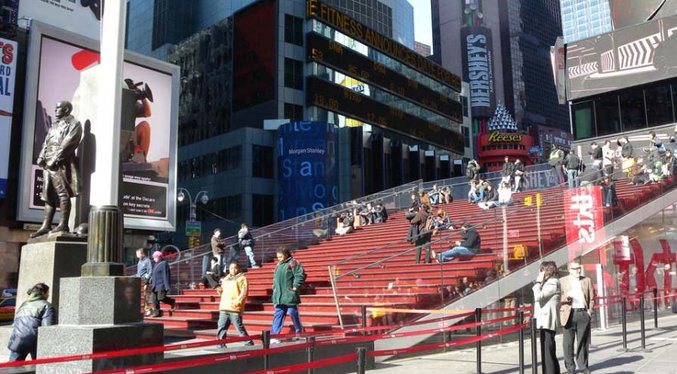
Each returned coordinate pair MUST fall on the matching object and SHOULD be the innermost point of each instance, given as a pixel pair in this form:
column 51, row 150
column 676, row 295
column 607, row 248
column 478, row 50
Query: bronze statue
column 60, row 172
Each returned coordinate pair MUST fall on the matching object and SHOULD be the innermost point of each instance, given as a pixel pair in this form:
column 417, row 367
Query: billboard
column 623, row 58
column 8, row 53
column 632, row 12
column 583, row 218
column 558, row 63
column 478, row 69
column 82, row 17
column 307, row 168
column 58, row 63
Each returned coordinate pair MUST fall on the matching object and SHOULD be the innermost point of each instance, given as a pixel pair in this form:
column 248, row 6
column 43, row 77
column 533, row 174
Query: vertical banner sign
column 478, row 69
column 307, row 171
column 8, row 51
column 584, row 219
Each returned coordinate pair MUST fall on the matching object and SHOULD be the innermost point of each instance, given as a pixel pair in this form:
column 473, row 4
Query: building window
column 229, row 207
column 293, row 30
column 464, row 102
column 583, row 118
column 466, row 136
column 293, row 112
column 633, row 115
column 608, row 115
column 658, row 105
column 293, row 73
column 262, row 161
column 262, row 210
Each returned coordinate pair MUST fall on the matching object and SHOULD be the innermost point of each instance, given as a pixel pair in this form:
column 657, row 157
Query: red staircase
column 397, row 282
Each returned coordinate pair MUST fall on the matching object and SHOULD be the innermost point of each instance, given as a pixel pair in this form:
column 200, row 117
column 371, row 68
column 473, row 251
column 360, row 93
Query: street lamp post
column 193, row 203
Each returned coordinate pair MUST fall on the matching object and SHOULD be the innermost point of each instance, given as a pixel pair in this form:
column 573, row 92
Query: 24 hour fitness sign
column 478, row 69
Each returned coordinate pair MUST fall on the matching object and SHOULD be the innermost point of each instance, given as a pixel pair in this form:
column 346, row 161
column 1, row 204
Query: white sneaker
column 274, row 341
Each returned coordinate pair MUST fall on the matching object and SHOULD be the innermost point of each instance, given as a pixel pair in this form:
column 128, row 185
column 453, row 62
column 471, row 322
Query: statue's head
column 63, row 109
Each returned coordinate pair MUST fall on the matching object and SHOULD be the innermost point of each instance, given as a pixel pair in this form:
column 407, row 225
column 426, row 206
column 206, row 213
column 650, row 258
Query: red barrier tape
column 309, row 365
column 428, row 347
column 203, row 361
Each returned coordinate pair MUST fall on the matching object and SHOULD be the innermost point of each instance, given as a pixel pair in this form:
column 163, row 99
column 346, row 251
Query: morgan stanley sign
column 478, row 69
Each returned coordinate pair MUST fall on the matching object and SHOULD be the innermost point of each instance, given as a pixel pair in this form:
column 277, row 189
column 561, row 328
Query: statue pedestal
column 98, row 314
column 47, row 259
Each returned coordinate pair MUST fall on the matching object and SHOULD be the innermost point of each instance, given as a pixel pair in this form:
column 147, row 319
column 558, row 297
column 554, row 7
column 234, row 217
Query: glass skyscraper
column 584, row 18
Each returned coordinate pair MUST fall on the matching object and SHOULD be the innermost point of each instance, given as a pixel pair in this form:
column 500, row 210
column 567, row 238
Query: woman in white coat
column 546, row 311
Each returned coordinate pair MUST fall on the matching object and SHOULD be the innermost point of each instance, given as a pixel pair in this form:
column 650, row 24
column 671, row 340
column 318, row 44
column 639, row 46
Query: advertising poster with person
column 145, row 142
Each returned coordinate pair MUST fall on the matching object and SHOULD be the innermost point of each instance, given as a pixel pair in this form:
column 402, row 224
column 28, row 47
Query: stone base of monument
column 64, row 340
column 98, row 314
column 47, row 259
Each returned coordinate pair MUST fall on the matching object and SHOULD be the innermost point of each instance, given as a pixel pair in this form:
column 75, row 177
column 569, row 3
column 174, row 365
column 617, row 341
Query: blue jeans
column 250, row 255
column 225, row 319
column 572, row 178
column 278, row 319
column 21, row 356
column 478, row 196
column 457, row 251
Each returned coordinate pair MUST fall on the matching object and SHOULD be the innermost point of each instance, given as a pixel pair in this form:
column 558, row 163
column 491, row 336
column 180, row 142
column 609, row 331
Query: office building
column 423, row 49
column 584, row 18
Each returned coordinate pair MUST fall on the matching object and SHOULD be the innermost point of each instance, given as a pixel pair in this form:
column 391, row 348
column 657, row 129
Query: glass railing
column 512, row 236
column 295, row 233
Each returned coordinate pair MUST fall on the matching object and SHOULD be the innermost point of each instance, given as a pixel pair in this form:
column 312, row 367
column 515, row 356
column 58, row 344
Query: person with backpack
column 425, row 232
column 36, row 311
column 246, row 241
column 288, row 278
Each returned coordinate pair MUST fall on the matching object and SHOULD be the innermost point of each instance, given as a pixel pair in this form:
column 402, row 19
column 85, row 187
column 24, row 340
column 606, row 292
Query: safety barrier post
column 655, row 308
column 642, row 328
column 478, row 318
column 363, row 310
column 310, row 351
column 534, row 352
column 361, row 360
column 265, row 338
column 520, row 320
column 624, row 325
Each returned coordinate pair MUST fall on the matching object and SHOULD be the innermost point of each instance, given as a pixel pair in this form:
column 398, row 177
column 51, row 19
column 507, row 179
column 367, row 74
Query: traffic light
column 193, row 241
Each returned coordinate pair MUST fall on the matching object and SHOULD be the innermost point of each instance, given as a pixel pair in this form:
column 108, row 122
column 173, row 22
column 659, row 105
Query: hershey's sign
column 477, row 69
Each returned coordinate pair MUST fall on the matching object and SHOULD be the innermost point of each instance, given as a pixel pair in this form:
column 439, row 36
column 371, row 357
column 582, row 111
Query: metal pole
column 655, row 308
column 534, row 353
column 641, row 322
column 520, row 320
column 361, row 360
column 310, row 351
column 333, row 289
column 265, row 338
column 505, row 240
column 478, row 318
column 538, row 225
column 363, row 311
column 624, row 325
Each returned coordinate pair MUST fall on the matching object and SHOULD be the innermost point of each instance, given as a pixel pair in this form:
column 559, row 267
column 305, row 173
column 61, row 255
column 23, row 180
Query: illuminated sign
column 8, row 53
column 343, row 100
column 349, row 62
column 347, row 25
column 478, row 69
column 497, row 137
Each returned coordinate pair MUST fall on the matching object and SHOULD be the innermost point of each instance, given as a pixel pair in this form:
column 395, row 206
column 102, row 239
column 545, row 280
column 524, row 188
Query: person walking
column 507, row 171
column 218, row 248
column 518, row 171
column 578, row 298
column 144, row 269
column 36, row 311
column 246, row 241
column 233, row 291
column 546, row 312
column 609, row 158
column 160, row 282
column 555, row 160
column 287, row 281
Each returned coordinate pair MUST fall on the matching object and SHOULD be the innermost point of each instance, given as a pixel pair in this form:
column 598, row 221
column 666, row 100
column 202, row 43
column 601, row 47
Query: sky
column 422, row 29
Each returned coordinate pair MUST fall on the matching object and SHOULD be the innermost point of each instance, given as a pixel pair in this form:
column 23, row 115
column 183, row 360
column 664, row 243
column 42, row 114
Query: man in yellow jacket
column 233, row 291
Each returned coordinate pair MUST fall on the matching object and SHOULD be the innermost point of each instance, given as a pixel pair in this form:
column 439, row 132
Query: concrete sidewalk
column 604, row 354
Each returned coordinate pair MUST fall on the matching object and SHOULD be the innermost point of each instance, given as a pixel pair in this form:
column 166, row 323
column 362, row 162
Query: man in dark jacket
column 160, row 282
column 626, row 147
column 424, row 233
column 507, row 171
column 218, row 249
column 573, row 165
column 33, row 313
column 412, row 234
column 468, row 247
column 518, row 172
column 288, row 278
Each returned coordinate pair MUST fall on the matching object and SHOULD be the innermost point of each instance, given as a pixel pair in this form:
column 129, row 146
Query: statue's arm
column 70, row 143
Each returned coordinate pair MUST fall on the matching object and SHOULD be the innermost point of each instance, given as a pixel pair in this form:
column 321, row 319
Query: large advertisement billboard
column 478, row 69
column 8, row 53
column 583, row 218
column 82, row 17
column 307, row 168
column 624, row 58
column 58, row 64
column 626, row 13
